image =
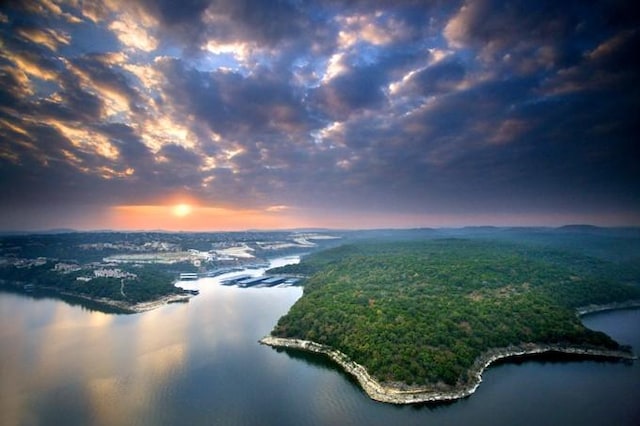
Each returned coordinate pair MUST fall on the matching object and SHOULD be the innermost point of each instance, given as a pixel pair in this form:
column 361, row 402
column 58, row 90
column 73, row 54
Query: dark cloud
column 74, row 103
column 194, row 22
column 173, row 13
column 439, row 78
column 14, row 87
column 357, row 89
column 271, row 22
column 101, row 72
column 394, row 106
column 527, row 37
column 236, row 105
column 179, row 156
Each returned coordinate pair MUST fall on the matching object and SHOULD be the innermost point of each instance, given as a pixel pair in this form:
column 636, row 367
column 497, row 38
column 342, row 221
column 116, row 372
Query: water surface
column 200, row 363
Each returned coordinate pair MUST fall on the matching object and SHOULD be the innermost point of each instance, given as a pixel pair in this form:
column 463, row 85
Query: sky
column 250, row 114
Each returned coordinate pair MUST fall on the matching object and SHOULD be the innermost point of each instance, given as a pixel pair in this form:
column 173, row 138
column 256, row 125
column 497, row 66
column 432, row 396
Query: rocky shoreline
column 590, row 309
column 413, row 395
column 403, row 394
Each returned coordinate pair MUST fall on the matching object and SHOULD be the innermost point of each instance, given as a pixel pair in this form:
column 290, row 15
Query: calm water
column 200, row 363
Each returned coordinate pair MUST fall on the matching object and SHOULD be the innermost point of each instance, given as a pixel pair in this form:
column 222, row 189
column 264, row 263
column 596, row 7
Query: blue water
column 200, row 363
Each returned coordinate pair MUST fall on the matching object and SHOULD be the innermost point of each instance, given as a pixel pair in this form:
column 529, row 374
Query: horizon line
column 4, row 232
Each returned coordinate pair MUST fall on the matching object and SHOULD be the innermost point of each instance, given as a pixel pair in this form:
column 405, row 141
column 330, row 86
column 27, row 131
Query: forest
column 149, row 284
column 420, row 312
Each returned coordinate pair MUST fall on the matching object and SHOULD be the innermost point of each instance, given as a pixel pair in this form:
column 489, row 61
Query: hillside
column 420, row 313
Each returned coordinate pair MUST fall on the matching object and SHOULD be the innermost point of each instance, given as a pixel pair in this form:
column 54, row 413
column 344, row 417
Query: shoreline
column 592, row 309
column 122, row 306
column 135, row 308
column 402, row 395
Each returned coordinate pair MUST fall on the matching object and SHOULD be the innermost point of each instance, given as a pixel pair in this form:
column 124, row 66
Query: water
column 200, row 363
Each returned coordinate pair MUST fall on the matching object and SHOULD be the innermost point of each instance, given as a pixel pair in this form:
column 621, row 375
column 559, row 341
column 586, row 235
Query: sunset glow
column 200, row 218
column 181, row 210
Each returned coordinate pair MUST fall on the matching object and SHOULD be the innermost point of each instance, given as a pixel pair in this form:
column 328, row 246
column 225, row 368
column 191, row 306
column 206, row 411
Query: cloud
column 490, row 22
column 610, row 65
column 45, row 8
column 441, row 77
column 401, row 107
column 378, row 29
column 349, row 92
column 48, row 37
column 132, row 35
column 510, row 130
column 232, row 104
column 191, row 24
column 34, row 65
column 101, row 74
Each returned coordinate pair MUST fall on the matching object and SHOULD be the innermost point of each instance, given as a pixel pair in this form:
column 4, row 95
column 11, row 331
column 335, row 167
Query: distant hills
column 379, row 232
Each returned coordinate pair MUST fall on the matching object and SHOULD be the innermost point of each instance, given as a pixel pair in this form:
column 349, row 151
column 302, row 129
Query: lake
column 200, row 363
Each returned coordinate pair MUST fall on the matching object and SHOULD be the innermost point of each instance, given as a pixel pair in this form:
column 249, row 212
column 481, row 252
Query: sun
column 181, row 210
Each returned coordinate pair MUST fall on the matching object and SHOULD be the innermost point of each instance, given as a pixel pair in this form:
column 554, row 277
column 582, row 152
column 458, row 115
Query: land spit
column 128, row 307
column 405, row 394
column 119, row 306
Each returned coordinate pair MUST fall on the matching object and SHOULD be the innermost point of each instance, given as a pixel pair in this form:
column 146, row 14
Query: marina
column 246, row 281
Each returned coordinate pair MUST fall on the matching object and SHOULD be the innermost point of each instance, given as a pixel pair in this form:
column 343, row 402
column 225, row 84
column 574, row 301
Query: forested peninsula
column 418, row 321
column 120, row 291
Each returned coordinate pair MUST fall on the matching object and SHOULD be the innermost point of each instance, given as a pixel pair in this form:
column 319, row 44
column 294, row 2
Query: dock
column 188, row 276
column 246, row 281
column 250, row 282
